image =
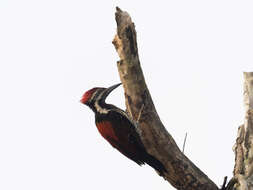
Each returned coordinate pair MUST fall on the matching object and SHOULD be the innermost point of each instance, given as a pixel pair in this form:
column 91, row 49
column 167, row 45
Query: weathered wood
column 243, row 170
column 238, row 149
column 182, row 173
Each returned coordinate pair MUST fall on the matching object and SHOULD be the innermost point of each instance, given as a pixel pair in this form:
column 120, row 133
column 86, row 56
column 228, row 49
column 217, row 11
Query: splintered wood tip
column 118, row 9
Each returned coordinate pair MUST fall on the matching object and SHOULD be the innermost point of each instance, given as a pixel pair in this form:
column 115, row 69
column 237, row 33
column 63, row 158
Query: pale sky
column 193, row 54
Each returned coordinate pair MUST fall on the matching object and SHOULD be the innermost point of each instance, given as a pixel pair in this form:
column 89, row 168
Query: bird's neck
column 100, row 107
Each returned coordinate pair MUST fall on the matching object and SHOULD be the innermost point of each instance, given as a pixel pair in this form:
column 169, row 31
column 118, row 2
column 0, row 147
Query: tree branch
column 182, row 173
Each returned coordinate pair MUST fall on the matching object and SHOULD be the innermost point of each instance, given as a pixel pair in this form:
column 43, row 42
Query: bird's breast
column 106, row 130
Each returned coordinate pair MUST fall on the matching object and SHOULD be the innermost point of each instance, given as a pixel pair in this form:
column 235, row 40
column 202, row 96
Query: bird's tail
column 156, row 164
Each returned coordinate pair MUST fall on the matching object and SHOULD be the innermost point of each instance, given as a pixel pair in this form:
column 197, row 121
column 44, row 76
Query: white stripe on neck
column 100, row 109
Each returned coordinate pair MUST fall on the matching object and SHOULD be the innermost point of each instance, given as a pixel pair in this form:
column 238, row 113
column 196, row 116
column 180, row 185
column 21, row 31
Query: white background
column 193, row 54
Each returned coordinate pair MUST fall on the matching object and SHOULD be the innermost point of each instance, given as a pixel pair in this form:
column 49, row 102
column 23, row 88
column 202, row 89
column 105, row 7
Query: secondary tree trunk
column 243, row 170
column 182, row 173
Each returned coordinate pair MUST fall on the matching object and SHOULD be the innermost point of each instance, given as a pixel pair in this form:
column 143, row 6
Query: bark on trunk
column 182, row 173
column 243, row 170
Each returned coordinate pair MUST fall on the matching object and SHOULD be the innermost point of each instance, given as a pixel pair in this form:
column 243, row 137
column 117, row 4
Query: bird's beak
column 107, row 91
column 113, row 87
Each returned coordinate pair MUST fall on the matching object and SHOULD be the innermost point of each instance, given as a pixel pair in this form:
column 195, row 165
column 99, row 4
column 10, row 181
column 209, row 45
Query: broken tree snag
column 182, row 173
column 238, row 149
column 243, row 170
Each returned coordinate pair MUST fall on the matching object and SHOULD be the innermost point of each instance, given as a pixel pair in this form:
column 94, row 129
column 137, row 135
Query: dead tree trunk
column 243, row 170
column 182, row 173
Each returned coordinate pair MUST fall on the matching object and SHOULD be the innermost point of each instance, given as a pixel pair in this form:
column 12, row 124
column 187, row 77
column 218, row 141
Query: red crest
column 87, row 95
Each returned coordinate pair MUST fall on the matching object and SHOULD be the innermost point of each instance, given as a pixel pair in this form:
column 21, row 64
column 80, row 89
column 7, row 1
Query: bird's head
column 97, row 94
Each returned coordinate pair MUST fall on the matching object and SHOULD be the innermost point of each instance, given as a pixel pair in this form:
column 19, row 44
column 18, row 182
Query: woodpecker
column 118, row 129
